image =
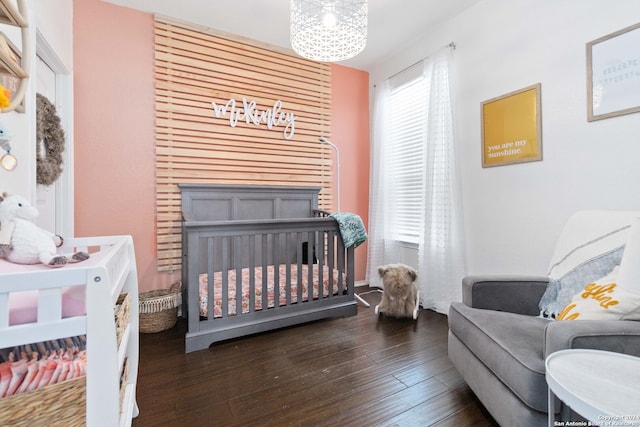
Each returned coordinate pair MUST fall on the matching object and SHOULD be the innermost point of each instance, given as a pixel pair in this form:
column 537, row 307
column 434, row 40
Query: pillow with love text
column 603, row 299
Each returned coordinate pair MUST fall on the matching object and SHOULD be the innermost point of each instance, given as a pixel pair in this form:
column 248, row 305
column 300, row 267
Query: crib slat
column 265, row 291
column 276, row 271
column 341, row 281
column 287, row 250
column 308, row 276
column 299, row 267
column 331, row 258
column 252, row 272
column 351, row 270
column 237, row 241
column 321, row 268
column 301, row 295
column 210, row 278
column 225, row 276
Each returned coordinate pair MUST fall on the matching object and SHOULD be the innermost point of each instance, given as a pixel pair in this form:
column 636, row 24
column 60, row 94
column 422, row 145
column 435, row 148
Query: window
column 407, row 111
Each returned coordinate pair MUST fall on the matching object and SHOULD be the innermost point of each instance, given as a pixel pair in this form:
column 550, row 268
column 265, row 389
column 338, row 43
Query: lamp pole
column 326, row 141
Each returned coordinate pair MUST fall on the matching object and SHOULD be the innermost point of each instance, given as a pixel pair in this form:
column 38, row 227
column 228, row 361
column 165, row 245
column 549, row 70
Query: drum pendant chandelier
column 328, row 30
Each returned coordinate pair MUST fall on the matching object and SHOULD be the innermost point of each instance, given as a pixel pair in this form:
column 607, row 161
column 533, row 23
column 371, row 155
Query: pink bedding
column 217, row 293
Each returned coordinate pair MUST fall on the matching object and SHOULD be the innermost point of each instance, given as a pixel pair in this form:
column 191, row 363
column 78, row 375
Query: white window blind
column 406, row 154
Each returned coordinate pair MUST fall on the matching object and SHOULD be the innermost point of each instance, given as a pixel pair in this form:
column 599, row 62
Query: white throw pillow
column 590, row 246
column 603, row 299
column 587, row 235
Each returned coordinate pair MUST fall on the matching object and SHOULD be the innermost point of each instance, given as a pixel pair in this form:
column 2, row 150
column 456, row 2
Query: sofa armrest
column 620, row 336
column 514, row 294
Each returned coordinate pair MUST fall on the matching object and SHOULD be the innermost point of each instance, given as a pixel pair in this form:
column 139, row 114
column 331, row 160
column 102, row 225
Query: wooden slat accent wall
column 195, row 67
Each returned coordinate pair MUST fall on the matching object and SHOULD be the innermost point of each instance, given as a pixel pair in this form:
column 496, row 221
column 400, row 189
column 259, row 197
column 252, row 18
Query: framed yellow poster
column 512, row 128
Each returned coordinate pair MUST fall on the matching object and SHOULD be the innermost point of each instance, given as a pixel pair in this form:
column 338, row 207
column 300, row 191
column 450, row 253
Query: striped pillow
column 589, row 247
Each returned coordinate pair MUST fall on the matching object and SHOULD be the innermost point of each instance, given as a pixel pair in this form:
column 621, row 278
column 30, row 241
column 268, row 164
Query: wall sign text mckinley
column 248, row 113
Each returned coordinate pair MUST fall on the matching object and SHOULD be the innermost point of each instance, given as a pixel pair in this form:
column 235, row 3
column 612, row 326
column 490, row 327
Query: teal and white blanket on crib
column 351, row 228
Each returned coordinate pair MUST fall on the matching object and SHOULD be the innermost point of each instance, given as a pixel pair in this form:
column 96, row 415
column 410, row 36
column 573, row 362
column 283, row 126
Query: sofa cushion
column 508, row 344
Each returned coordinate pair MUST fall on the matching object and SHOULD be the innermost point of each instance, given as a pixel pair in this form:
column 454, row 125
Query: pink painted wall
column 115, row 130
column 350, row 132
column 115, row 137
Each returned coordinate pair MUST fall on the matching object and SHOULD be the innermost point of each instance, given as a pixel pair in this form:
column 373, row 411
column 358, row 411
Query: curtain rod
column 451, row 45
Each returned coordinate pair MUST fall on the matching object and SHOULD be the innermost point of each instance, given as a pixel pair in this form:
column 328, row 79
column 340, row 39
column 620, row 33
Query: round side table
column 602, row 386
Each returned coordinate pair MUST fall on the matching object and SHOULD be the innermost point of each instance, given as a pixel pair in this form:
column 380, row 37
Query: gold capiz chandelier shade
column 328, row 30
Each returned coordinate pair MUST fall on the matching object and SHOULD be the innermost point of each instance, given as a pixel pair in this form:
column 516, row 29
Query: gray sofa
column 498, row 341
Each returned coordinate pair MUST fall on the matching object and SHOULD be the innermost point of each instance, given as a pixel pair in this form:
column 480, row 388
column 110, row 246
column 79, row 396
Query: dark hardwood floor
column 356, row 371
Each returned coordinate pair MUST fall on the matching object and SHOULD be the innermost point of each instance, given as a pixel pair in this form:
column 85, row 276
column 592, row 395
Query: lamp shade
column 328, row 30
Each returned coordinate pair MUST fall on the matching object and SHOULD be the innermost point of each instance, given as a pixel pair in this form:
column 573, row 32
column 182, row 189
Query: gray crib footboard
column 215, row 252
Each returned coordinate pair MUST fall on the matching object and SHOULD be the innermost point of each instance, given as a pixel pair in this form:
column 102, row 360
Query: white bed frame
column 105, row 275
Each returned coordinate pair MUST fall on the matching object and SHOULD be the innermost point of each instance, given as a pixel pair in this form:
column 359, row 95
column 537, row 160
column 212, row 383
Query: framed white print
column 613, row 74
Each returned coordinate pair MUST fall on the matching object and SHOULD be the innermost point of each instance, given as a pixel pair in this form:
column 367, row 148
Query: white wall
column 55, row 23
column 513, row 214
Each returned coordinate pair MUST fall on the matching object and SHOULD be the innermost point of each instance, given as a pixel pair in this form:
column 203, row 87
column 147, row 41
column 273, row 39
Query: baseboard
column 363, row 283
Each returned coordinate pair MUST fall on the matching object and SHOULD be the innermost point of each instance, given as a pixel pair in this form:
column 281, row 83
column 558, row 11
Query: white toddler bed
column 38, row 303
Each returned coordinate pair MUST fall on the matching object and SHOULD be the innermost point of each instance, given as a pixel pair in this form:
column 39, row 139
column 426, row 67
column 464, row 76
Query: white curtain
column 442, row 251
column 379, row 134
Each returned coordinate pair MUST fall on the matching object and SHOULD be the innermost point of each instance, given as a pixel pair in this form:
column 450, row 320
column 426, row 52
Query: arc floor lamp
column 335, row 148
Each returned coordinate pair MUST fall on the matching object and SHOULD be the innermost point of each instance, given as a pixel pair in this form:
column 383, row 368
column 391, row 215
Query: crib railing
column 211, row 247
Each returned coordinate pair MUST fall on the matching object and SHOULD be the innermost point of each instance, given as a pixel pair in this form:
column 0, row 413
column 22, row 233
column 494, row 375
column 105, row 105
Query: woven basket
column 122, row 312
column 159, row 309
column 124, row 377
column 62, row 404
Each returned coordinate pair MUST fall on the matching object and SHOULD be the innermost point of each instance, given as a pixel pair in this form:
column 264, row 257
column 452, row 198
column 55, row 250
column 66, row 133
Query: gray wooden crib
column 290, row 256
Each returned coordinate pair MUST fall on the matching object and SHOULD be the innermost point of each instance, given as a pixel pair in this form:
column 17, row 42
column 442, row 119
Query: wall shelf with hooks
column 10, row 15
column 13, row 62
column 10, row 59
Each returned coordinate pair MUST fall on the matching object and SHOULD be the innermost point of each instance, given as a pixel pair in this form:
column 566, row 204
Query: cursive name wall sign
column 248, row 113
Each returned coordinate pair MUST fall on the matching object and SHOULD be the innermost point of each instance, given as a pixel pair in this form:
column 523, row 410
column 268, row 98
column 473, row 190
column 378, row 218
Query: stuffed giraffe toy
column 23, row 242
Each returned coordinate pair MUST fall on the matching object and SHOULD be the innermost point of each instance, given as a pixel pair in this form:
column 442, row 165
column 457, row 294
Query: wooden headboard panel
column 224, row 202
